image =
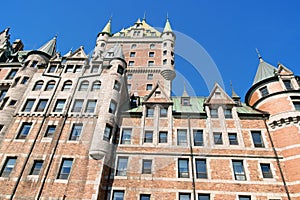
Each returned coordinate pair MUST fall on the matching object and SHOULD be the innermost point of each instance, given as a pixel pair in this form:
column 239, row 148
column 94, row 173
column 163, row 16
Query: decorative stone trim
column 284, row 121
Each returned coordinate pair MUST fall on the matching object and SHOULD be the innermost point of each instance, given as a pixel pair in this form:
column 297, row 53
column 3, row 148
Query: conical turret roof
column 107, row 28
column 49, row 48
column 167, row 26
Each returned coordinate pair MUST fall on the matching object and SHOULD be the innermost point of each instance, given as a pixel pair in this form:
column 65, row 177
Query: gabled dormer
column 157, row 95
column 78, row 54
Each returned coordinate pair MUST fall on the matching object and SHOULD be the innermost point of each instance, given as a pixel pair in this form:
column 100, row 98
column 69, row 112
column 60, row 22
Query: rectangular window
column 233, row 139
column 163, row 112
column 24, row 80
column 69, row 68
column 95, row 69
column 147, row 166
column 50, row 131
column 76, row 131
column 151, row 54
column 150, row 77
column 214, row 113
column 198, row 137
column 145, row 196
column 120, row 69
column 12, row 74
column 122, row 166
column 148, row 137
column 78, row 68
column 183, row 168
column 203, row 196
column 59, row 106
column 150, row 112
column 107, row 132
column 34, row 63
column 238, row 169
column 129, row 76
column 244, row 197
column 184, row 196
column 164, row 61
column 181, row 137
column 163, row 137
column 257, row 139
column 8, row 166
column 36, row 167
column 150, row 63
column 218, row 138
column 264, row 91
column 77, row 106
column 165, row 52
column 41, row 105
column 288, row 84
column 117, row 86
column 296, row 105
column 112, row 107
column 132, row 54
column 266, row 170
column 118, row 195
column 131, row 63
column 65, row 168
column 28, row 105
column 2, row 94
column 149, row 87
column 228, row 113
column 52, row 69
column 201, row 168
column 126, row 136
column 90, row 106
column 24, row 131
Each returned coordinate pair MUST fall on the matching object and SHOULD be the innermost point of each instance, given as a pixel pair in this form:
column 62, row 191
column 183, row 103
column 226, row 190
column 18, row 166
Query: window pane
column 147, row 165
column 126, row 136
column 28, row 105
column 163, row 137
column 117, row 86
column 264, row 91
column 145, row 197
column 287, row 84
column 163, row 112
column 183, row 168
column 228, row 113
column 84, row 86
column 214, row 113
column 59, row 105
column 77, row 106
column 76, row 131
column 122, row 166
column 257, row 140
column 118, row 195
column 181, row 137
column 50, row 85
column 198, row 138
column 2, row 94
column 218, row 138
column 148, row 137
column 201, row 168
column 266, row 170
column 238, row 169
column 41, row 105
column 50, row 131
column 24, row 131
column 107, row 132
column 12, row 74
column 150, row 112
column 112, row 107
column 36, row 168
column 203, row 196
column 67, row 86
column 38, row 85
column 65, row 169
column 8, row 166
column 184, row 196
column 96, row 86
column 244, row 197
column 232, row 138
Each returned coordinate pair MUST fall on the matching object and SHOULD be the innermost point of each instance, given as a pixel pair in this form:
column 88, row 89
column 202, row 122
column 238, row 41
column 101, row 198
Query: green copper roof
column 49, row 48
column 196, row 105
column 264, row 71
column 167, row 27
column 107, row 28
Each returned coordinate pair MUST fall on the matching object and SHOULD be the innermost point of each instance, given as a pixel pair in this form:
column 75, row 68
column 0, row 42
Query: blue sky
column 228, row 30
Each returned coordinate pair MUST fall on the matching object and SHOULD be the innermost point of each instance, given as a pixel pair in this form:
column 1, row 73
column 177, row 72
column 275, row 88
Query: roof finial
column 144, row 18
column 184, row 94
column 110, row 17
column 233, row 93
column 167, row 15
column 258, row 54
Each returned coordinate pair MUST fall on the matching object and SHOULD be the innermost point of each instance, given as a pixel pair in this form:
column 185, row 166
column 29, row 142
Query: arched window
column 50, row 85
column 84, row 86
column 152, row 46
column 96, row 85
column 38, row 85
column 133, row 46
column 67, row 86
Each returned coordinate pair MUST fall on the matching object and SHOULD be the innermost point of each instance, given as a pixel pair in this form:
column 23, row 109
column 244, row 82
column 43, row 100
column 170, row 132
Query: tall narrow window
column 112, row 107
column 52, row 69
column 264, row 91
column 25, row 80
column 59, row 106
column 41, row 105
column 95, row 69
column 36, row 167
column 163, row 137
column 24, row 131
column 228, row 113
column 288, row 84
column 2, row 94
column 12, row 74
column 233, row 139
column 184, row 196
column 50, row 131
column 147, row 166
column 84, row 86
column 77, row 106
column 8, row 166
column 120, row 69
column 266, row 170
column 117, row 86
column 203, row 197
column 28, row 105
column 148, row 137
column 198, row 137
column 91, row 105
column 238, row 169
column 181, row 137
column 65, row 168
column 214, row 113
column 50, row 85
column 76, row 132
column 183, row 168
column 201, row 168
column 150, row 112
column 38, row 86
column 218, row 138
column 118, row 195
column 96, row 86
column 257, row 139
column 107, row 132
column 126, row 136
column 122, row 166
column 67, row 86
column 163, row 112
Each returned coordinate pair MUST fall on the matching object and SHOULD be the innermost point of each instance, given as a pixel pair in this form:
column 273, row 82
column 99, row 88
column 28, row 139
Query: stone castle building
column 107, row 127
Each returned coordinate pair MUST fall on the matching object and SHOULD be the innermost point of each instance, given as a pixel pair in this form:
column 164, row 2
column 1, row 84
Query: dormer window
column 228, row 113
column 264, row 91
column 214, row 113
column 110, row 54
column 288, row 84
column 185, row 101
column 122, row 34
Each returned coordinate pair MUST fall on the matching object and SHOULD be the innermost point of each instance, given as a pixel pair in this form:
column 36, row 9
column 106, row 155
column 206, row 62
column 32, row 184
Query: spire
column 49, row 48
column 264, row 70
column 259, row 56
column 185, row 94
column 233, row 93
column 144, row 18
column 107, row 28
column 167, row 26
